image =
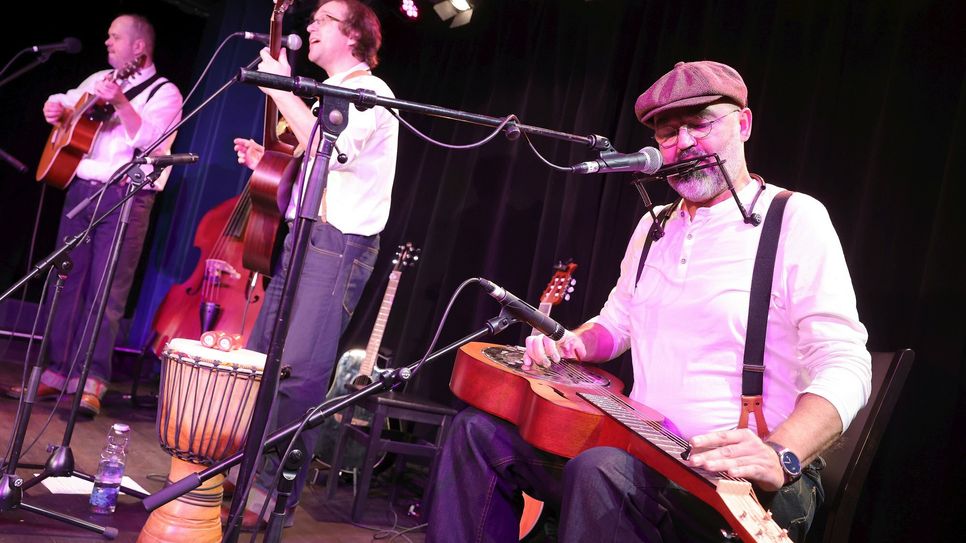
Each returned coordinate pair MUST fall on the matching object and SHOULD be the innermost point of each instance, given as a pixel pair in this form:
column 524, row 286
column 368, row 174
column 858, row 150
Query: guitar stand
column 60, row 463
column 313, row 418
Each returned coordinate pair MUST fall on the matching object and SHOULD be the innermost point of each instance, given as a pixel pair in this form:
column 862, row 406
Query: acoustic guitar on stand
column 357, row 368
column 73, row 136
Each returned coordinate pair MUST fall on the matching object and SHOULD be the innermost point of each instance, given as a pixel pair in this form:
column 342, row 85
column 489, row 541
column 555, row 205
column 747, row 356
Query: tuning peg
column 573, row 281
column 567, row 297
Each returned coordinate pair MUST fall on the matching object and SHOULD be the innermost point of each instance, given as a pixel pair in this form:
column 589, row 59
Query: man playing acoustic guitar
column 682, row 306
column 139, row 109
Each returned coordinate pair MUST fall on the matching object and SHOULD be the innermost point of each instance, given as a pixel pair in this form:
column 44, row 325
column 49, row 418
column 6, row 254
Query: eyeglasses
column 667, row 136
column 324, row 17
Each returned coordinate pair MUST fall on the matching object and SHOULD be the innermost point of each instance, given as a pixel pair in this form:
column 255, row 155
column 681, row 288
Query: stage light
column 409, row 8
column 460, row 11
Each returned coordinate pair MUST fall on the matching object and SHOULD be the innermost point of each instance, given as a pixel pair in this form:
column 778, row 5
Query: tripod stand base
column 192, row 518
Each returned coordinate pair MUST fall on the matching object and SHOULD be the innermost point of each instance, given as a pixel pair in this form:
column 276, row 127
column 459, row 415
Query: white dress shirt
column 358, row 193
column 113, row 147
column 686, row 320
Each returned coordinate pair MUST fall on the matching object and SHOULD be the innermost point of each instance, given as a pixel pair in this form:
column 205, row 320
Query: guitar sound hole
column 360, row 382
column 568, row 372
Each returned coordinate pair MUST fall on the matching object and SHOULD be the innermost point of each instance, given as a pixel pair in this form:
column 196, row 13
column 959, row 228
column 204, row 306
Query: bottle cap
column 120, row 427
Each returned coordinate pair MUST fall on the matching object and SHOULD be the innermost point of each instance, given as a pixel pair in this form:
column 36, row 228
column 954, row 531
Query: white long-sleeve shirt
column 686, row 320
column 113, row 147
column 359, row 192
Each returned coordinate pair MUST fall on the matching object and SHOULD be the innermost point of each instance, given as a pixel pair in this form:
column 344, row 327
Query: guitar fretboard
column 653, row 432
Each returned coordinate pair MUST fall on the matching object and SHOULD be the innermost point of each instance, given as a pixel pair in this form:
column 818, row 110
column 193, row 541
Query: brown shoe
column 44, row 392
column 90, row 405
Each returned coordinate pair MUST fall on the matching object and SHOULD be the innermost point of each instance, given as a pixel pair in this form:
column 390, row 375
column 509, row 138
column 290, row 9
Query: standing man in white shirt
column 151, row 106
column 344, row 39
column 683, row 311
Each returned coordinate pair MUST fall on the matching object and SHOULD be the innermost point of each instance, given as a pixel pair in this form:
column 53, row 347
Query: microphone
column 163, row 161
column 69, row 45
column 648, row 160
column 524, row 311
column 292, row 42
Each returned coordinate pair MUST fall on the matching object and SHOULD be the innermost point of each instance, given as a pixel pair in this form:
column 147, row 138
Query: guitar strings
column 578, row 373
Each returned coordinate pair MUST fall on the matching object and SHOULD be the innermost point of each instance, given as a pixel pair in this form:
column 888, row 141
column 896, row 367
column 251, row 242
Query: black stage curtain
column 858, row 103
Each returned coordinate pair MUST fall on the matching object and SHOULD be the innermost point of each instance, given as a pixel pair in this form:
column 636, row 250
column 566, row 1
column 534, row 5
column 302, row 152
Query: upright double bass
column 236, row 239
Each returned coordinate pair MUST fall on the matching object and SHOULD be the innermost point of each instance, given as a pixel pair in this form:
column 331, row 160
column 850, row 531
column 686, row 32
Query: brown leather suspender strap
column 753, row 370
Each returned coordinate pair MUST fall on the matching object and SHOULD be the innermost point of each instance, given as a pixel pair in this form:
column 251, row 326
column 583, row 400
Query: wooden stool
column 395, row 405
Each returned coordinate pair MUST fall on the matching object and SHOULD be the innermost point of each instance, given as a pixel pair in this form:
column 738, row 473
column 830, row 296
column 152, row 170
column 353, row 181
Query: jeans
column 337, row 267
column 484, row 465
column 69, row 337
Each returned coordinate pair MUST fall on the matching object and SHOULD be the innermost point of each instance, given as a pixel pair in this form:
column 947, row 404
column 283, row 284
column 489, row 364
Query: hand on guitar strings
column 738, row 453
column 544, row 351
column 53, row 111
column 110, row 92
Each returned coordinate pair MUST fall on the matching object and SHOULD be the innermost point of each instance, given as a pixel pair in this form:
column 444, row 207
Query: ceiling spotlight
column 460, row 11
column 409, row 8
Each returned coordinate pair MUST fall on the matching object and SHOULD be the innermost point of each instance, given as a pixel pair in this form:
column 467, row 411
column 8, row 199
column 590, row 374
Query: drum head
column 242, row 358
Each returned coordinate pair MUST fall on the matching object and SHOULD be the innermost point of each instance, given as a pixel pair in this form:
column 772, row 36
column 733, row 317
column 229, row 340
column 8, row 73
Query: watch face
column 791, row 464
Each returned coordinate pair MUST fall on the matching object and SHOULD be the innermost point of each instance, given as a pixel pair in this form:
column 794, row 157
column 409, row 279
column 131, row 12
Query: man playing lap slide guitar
column 751, row 410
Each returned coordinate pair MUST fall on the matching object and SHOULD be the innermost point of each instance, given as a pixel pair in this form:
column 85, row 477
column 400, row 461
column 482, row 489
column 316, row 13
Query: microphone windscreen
column 72, row 45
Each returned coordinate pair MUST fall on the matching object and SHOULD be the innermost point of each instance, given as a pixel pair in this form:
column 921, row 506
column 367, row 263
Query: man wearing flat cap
column 755, row 374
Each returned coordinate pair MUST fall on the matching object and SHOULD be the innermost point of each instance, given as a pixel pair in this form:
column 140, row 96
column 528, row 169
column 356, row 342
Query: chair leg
column 335, row 465
column 364, row 477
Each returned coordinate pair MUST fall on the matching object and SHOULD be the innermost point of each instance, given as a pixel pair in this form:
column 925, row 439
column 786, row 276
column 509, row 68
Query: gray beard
column 700, row 185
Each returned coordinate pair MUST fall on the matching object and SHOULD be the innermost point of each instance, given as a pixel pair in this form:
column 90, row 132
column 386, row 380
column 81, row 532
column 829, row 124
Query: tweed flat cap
column 691, row 84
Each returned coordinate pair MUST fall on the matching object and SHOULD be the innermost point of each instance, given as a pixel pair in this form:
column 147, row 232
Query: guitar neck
column 375, row 340
column 652, row 432
column 545, row 309
column 270, row 134
column 738, row 503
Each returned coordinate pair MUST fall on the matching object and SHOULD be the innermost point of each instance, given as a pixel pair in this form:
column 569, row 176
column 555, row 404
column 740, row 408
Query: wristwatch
column 791, row 465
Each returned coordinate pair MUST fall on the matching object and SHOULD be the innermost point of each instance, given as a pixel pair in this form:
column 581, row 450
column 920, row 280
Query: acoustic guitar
column 270, row 184
column 74, row 135
column 357, row 368
column 571, row 407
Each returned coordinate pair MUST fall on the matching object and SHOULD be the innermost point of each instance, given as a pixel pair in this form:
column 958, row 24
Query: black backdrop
column 858, row 103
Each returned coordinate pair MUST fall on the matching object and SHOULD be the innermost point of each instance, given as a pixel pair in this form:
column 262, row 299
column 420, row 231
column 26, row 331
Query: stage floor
column 316, row 519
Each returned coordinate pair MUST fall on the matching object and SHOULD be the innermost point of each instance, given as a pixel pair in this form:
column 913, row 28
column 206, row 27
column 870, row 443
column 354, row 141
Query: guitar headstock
column 130, row 69
column 745, row 511
column 281, row 6
column 406, row 255
column 561, row 285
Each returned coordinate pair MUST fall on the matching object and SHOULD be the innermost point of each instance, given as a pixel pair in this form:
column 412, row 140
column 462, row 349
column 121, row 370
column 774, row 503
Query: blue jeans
column 337, row 267
column 69, row 338
column 603, row 494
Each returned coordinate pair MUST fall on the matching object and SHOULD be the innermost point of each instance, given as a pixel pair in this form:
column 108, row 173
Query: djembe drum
column 205, row 406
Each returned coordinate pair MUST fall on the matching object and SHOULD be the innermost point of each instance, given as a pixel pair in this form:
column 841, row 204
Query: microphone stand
column 333, row 115
column 41, row 58
column 61, row 461
column 313, row 418
column 364, row 99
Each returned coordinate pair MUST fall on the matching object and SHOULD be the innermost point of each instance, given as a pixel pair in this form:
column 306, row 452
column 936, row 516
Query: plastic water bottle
column 110, row 470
